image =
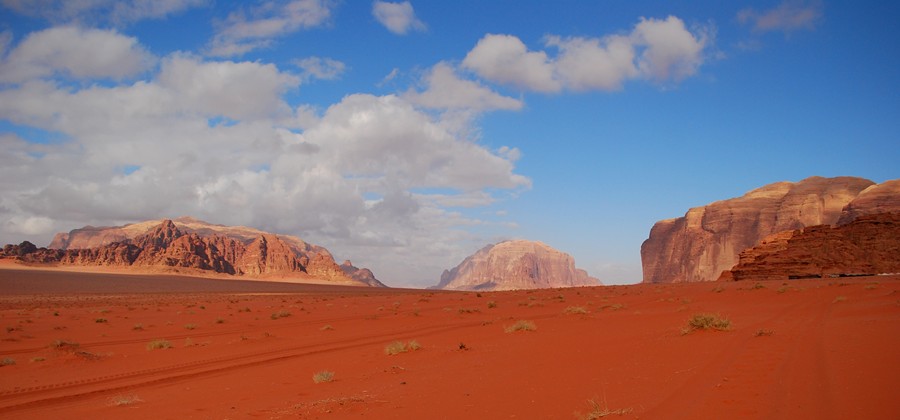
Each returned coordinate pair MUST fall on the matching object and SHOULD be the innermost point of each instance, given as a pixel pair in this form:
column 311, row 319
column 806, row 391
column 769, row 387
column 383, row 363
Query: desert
column 217, row 349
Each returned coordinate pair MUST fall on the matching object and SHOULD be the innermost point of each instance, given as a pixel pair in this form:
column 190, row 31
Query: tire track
column 23, row 398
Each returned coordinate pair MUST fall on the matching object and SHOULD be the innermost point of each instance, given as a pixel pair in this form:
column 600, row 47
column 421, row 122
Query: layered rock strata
column 707, row 240
column 196, row 246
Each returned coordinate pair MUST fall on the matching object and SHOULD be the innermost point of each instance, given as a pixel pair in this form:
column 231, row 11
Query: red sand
column 808, row 349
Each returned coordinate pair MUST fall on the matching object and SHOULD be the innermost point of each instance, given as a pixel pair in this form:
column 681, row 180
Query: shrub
column 159, row 344
column 707, row 322
column 64, row 345
column 280, row 314
column 576, row 310
column 120, row 400
column 7, row 362
column 323, row 376
column 326, row 327
column 138, row 327
column 101, row 320
column 190, row 326
column 600, row 411
column 398, row 347
column 491, row 304
column 521, row 325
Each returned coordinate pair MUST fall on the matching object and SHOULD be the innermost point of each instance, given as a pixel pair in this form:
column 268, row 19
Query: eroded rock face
column 707, row 240
column 879, row 198
column 515, row 265
column 193, row 245
column 868, row 245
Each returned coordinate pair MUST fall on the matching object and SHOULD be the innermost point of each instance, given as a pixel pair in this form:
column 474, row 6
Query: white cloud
column 659, row 50
column 244, row 31
column 235, row 90
column 321, row 68
column 398, row 18
column 157, row 148
column 116, row 12
column 788, row 16
column 75, row 52
column 671, row 51
column 447, row 91
column 505, row 59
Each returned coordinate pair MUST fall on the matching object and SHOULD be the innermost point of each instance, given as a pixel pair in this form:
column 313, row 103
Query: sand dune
column 803, row 349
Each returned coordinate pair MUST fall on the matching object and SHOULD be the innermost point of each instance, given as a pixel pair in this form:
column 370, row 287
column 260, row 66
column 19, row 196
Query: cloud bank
column 399, row 18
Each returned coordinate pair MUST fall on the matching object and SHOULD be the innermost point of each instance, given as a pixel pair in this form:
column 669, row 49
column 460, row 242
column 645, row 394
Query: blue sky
column 406, row 135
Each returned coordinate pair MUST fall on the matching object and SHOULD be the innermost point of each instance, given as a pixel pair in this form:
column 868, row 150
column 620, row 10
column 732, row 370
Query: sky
column 405, row 136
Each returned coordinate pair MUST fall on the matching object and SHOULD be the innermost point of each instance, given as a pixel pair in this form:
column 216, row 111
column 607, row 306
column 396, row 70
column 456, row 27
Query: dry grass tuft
column 576, row 310
column 706, row 322
column 521, row 325
column 159, row 344
column 280, row 314
column 398, row 347
column 600, row 411
column 323, row 376
column 120, row 400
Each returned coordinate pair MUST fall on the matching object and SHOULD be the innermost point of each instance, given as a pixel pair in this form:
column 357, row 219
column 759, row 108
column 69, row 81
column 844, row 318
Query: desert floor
column 78, row 345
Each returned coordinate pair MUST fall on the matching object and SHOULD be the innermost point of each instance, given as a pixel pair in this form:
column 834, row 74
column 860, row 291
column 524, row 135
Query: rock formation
column 707, row 240
column 192, row 246
column 868, row 245
column 514, row 265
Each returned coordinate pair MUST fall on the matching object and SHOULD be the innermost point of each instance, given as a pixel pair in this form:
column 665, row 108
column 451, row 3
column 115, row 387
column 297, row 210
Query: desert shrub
column 839, row 299
column 101, row 320
column 159, row 344
column 120, row 400
column 138, row 327
column 491, row 304
column 600, row 411
column 7, row 362
column 326, row 327
column 323, row 376
column 763, row 333
column 280, row 314
column 576, row 310
column 521, row 325
column 398, row 347
column 190, row 326
column 707, row 322
column 64, row 345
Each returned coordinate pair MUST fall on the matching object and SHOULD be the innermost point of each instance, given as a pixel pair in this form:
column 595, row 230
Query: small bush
column 138, row 327
column 7, row 362
column 491, row 304
column 120, row 400
column 707, row 322
column 159, row 344
column 323, row 376
column 600, row 411
column 839, row 299
column 280, row 314
column 763, row 333
column 101, row 320
column 64, row 345
column 576, row 310
column 190, row 326
column 398, row 347
column 521, row 325
column 327, row 327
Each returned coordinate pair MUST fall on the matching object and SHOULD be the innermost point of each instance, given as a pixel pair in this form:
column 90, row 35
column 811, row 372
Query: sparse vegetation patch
column 707, row 322
column 521, row 325
column 159, row 344
column 323, row 376
column 600, row 411
column 398, row 347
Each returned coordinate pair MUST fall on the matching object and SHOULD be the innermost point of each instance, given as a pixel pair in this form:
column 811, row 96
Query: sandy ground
column 78, row 344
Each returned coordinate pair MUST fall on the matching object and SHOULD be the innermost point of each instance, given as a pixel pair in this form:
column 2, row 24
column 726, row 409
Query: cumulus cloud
column 789, row 16
column 659, row 50
column 505, row 59
column 75, row 52
column 247, row 30
column 116, row 12
column 373, row 178
column 398, row 18
column 445, row 90
column 320, row 68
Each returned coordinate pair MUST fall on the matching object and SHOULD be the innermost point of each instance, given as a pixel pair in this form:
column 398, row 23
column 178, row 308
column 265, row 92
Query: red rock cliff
column 707, row 240
column 514, row 265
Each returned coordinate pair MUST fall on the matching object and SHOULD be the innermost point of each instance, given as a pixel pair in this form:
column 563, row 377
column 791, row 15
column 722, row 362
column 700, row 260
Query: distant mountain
column 514, row 265
column 192, row 246
column 708, row 240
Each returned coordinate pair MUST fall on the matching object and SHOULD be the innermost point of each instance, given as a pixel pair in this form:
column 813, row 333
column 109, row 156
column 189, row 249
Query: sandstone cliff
column 707, row 240
column 868, row 245
column 514, row 265
column 189, row 245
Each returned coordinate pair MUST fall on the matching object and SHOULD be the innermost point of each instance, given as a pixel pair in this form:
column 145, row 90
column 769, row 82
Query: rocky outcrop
column 880, row 198
column 707, row 240
column 514, row 265
column 868, row 245
column 190, row 245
